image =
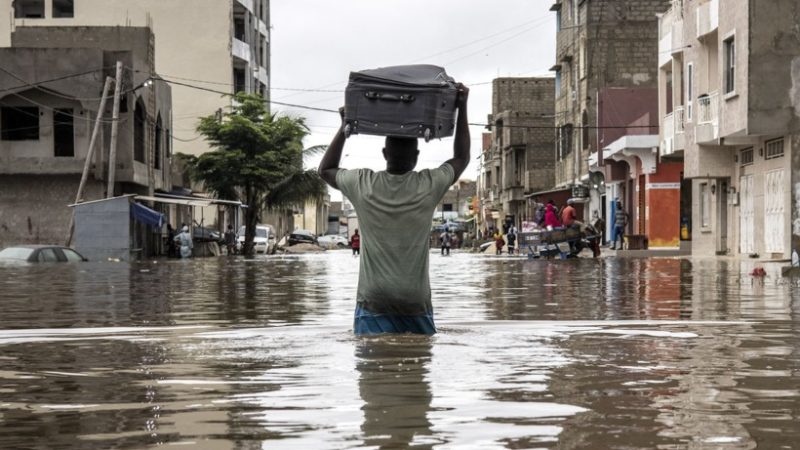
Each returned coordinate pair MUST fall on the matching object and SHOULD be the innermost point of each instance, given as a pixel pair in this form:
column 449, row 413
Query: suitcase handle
column 390, row 97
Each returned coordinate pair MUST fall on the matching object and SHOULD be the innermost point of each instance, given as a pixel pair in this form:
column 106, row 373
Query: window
column 746, row 157
column 565, row 141
column 773, row 149
column 729, row 48
column 239, row 80
column 689, row 90
column 558, row 83
column 63, row 8
column 705, row 205
column 71, row 255
column 63, row 133
column 29, row 9
column 47, row 255
column 19, row 123
column 139, row 125
column 238, row 28
column 585, row 129
column 558, row 20
column 157, row 148
column 447, row 207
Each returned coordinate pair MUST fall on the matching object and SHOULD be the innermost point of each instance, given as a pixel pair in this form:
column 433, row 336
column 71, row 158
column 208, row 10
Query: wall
column 40, row 215
column 103, row 230
column 182, row 51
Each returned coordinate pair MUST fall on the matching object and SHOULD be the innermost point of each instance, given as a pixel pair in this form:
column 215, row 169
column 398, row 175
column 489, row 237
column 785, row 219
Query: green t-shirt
column 394, row 219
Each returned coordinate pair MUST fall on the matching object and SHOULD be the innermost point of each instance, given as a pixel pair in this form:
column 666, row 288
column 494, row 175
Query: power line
column 65, row 77
column 49, row 91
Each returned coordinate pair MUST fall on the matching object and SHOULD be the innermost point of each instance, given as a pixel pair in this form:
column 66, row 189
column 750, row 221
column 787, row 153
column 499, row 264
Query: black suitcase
column 416, row 101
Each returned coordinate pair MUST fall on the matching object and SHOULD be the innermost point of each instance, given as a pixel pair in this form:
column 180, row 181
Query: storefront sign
column 651, row 186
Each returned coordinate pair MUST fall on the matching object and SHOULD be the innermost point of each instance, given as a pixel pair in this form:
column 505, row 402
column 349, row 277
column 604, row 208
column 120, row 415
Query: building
column 313, row 215
column 47, row 116
column 517, row 160
column 224, row 43
column 606, row 77
column 456, row 205
column 730, row 110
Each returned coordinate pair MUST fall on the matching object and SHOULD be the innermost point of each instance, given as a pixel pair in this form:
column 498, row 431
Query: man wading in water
column 394, row 210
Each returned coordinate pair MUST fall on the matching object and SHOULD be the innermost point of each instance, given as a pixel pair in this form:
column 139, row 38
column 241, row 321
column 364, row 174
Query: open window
column 29, row 9
column 19, row 123
column 63, row 9
column 158, row 147
column 63, row 133
column 139, row 126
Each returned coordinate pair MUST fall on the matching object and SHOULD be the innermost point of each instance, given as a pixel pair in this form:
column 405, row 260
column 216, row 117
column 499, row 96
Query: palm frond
column 295, row 190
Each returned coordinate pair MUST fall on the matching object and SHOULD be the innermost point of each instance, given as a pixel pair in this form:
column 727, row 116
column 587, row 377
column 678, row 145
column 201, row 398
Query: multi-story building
column 47, row 118
column 606, row 53
column 518, row 159
column 456, row 203
column 223, row 43
column 730, row 109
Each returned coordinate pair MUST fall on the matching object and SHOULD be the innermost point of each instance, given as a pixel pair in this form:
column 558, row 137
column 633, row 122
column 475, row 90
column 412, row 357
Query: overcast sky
column 317, row 43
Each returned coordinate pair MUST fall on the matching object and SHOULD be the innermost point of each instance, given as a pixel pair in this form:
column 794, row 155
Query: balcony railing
column 680, row 117
column 708, row 108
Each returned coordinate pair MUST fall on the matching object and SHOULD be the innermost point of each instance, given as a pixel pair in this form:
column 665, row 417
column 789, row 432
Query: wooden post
column 112, row 157
column 89, row 155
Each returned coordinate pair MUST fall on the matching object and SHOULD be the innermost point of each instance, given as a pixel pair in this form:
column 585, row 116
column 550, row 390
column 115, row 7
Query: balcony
column 707, row 18
column 241, row 50
column 673, row 132
column 707, row 130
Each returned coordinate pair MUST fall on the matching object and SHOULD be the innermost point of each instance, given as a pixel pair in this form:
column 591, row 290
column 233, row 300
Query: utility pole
column 89, row 156
column 112, row 157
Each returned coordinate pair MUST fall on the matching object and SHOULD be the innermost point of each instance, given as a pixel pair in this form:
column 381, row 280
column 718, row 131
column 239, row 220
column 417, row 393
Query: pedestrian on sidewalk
column 620, row 222
column 394, row 208
column 355, row 243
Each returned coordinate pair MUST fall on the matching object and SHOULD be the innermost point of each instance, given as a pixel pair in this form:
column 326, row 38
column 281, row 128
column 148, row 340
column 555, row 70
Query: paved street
column 233, row 353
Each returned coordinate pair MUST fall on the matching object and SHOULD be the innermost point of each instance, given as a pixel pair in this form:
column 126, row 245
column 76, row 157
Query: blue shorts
column 369, row 323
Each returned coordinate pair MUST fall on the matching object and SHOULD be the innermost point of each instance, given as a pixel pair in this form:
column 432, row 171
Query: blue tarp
column 146, row 216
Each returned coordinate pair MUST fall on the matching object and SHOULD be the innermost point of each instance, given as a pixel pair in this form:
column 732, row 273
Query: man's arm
column 329, row 166
column 462, row 142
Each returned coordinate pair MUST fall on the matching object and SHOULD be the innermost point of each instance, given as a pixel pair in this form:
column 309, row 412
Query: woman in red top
column 355, row 243
column 550, row 218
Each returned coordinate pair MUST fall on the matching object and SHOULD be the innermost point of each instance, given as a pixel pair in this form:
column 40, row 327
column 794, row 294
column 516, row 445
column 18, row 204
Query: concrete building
column 457, row 202
column 47, row 115
column 313, row 215
column 606, row 53
column 518, row 157
column 730, row 108
column 224, row 43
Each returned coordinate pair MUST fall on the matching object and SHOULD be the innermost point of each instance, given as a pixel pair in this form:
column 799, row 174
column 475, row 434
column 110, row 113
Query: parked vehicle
column 333, row 241
column 40, row 254
column 302, row 237
column 264, row 241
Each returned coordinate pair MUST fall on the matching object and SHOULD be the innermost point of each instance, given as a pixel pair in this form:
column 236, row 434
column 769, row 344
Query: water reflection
column 392, row 382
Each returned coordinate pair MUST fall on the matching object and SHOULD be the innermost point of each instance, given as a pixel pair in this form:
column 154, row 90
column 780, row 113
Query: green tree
column 257, row 159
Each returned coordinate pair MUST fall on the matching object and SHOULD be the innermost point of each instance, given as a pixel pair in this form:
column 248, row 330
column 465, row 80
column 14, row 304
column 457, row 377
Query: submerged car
column 40, row 254
column 263, row 242
column 302, row 237
column 333, row 241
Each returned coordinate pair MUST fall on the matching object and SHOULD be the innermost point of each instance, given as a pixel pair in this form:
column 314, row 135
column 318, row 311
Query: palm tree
column 258, row 160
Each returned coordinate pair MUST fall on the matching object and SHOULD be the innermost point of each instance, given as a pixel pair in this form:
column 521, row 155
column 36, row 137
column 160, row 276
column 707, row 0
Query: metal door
column 774, row 211
column 746, row 216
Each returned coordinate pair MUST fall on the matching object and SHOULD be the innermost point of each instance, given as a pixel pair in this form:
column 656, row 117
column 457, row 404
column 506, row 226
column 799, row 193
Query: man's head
column 356, row 231
column 570, row 202
column 400, row 154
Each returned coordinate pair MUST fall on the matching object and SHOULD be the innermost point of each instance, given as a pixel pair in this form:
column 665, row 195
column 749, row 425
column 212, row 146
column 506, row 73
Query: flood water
column 233, row 353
